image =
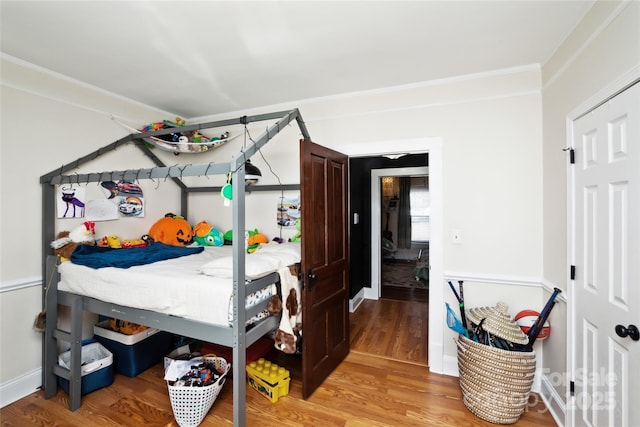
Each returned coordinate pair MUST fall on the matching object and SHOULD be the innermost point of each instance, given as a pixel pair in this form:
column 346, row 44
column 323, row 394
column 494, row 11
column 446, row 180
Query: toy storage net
column 191, row 404
column 495, row 383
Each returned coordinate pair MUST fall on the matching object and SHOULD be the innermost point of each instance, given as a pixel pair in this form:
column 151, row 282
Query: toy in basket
column 193, row 387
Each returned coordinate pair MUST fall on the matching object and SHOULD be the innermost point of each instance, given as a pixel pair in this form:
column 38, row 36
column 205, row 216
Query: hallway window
column 419, row 198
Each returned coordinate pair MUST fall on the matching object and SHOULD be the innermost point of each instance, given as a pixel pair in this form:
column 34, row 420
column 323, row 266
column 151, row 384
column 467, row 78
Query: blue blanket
column 98, row 257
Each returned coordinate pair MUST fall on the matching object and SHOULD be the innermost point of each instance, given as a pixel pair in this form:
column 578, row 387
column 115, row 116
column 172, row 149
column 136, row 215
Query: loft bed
column 236, row 334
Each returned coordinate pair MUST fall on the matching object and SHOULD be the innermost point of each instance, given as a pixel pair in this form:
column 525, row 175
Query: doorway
column 368, row 288
column 405, row 237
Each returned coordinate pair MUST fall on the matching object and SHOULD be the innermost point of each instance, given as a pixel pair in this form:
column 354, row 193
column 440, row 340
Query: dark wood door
column 325, row 262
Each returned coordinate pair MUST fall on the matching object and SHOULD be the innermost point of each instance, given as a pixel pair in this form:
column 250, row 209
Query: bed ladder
column 53, row 334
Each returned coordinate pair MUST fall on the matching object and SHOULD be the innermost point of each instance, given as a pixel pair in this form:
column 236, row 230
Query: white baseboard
column 553, row 401
column 369, row 293
column 355, row 302
column 450, row 366
column 20, row 387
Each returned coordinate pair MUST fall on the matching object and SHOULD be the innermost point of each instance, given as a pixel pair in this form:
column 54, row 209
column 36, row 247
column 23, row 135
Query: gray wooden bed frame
column 235, row 335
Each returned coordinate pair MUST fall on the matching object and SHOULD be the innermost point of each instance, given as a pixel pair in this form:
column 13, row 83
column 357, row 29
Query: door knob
column 630, row 331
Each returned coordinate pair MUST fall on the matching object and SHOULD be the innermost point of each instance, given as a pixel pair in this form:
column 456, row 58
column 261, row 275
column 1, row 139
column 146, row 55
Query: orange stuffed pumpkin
column 172, row 230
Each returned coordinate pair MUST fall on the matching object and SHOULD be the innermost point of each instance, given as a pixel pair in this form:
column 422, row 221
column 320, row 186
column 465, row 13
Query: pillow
column 289, row 248
column 268, row 259
column 287, row 253
column 255, row 267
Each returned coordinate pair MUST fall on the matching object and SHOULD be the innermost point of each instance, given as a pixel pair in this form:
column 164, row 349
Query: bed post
column 75, row 379
column 239, row 293
column 48, row 234
column 49, row 348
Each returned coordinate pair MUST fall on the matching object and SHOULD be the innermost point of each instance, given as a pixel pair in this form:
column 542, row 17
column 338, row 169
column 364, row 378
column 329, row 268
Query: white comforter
column 197, row 286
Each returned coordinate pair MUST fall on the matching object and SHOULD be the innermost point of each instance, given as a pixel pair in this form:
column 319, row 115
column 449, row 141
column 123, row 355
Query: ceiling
column 201, row 58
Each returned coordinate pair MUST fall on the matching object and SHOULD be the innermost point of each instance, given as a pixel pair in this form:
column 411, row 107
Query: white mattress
column 177, row 286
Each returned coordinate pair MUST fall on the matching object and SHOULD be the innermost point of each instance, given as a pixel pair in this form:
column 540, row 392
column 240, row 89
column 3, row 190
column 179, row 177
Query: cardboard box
column 135, row 353
column 96, row 369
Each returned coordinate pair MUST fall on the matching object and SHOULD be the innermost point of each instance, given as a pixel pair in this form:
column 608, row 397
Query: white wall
column 603, row 48
column 490, row 126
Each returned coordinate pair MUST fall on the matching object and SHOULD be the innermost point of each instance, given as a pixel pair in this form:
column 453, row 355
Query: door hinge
column 573, row 272
column 572, row 154
column 572, row 388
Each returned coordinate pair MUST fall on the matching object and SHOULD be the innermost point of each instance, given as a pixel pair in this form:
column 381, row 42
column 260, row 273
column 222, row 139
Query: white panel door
column 606, row 250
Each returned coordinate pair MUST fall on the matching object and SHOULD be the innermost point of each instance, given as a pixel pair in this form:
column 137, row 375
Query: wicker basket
column 191, row 404
column 495, row 383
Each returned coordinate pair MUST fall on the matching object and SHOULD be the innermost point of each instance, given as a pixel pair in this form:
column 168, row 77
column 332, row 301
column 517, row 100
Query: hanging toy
column 227, row 191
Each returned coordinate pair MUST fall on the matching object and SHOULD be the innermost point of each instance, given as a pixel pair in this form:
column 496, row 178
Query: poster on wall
column 101, row 210
column 126, row 196
column 288, row 210
column 70, row 201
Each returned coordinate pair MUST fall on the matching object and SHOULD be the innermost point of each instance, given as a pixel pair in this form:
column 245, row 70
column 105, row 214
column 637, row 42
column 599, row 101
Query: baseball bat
column 542, row 317
column 463, row 315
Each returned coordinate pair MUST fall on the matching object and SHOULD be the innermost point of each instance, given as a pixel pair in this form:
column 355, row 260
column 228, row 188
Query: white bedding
column 196, row 286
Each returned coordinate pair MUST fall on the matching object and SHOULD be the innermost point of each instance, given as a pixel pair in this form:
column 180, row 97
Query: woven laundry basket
column 191, row 404
column 495, row 383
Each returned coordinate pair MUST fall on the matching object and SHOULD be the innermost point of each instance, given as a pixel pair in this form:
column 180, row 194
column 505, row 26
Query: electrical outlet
column 456, row 236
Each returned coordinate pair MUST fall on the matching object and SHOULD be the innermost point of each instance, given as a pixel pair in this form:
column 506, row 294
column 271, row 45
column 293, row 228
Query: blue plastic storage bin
column 97, row 367
column 135, row 353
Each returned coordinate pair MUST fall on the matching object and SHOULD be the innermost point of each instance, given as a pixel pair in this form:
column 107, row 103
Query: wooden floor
column 405, row 294
column 365, row 390
column 391, row 328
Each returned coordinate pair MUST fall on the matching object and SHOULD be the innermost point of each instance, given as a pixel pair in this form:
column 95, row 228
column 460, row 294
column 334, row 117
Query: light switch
column 356, row 218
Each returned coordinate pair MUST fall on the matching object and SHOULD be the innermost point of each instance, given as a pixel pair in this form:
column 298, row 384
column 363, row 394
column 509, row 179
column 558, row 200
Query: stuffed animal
column 228, row 237
column 254, row 240
column 114, row 242
column 172, row 230
column 205, row 234
column 124, row 327
column 67, row 241
column 256, row 237
column 133, row 243
column 298, row 236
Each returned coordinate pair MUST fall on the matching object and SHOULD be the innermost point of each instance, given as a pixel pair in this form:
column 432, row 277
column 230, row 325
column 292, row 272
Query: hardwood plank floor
column 365, row 390
column 391, row 328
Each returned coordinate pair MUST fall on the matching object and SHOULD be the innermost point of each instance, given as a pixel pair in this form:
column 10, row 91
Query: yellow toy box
column 269, row 379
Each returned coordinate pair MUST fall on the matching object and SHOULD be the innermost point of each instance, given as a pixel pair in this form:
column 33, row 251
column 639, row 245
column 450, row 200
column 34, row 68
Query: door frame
column 594, row 101
column 433, row 147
